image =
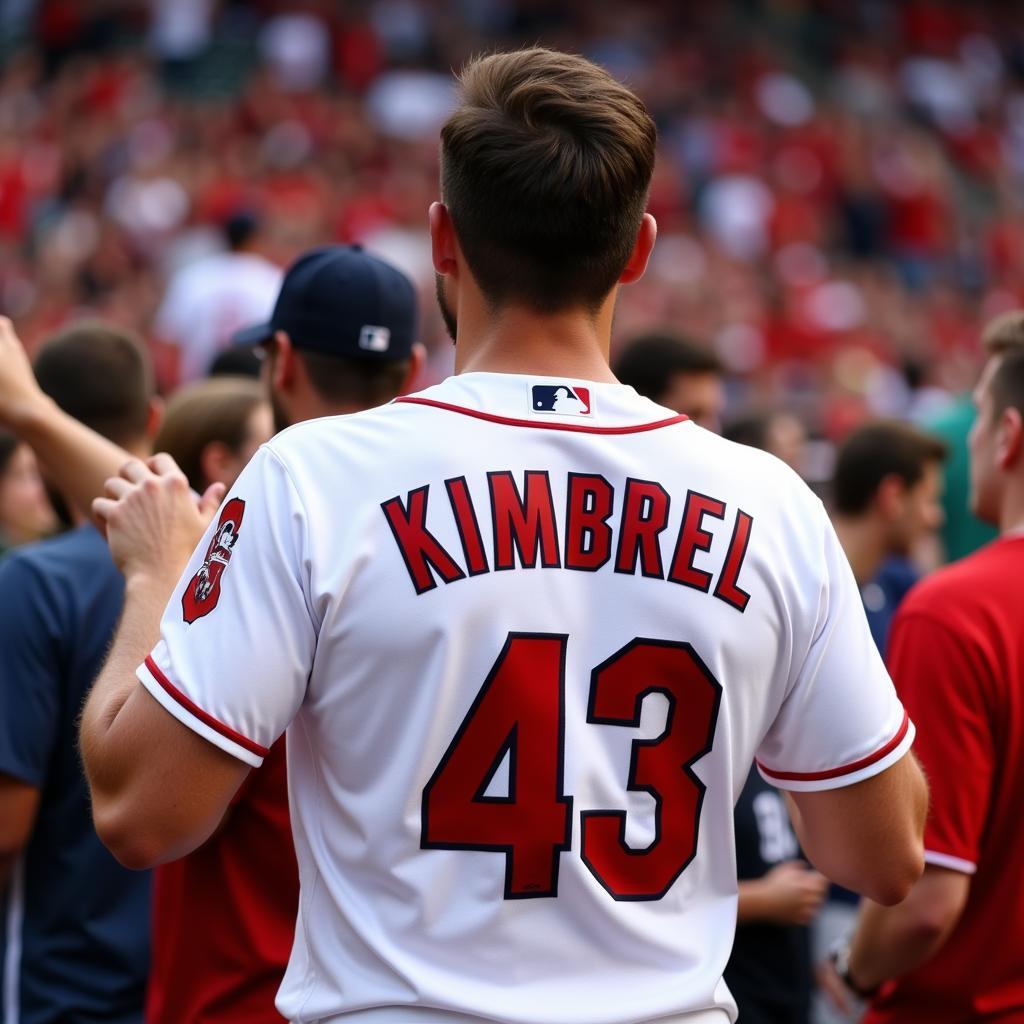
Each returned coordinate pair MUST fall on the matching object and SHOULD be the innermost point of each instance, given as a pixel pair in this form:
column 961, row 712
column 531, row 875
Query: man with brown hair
column 954, row 949
column 527, row 631
column 886, row 490
column 963, row 531
column 76, row 942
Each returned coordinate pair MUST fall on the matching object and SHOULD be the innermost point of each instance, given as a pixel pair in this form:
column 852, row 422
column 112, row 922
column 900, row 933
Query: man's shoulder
column 958, row 589
column 71, row 563
column 76, row 549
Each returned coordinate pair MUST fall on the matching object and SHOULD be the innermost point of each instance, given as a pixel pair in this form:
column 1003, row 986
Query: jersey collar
column 546, row 403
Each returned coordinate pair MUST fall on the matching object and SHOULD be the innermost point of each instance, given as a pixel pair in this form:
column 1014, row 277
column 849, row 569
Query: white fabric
column 208, row 300
column 945, row 860
column 319, row 627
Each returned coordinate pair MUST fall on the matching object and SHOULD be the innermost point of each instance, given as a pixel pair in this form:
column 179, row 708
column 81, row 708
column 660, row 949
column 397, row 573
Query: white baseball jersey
column 526, row 636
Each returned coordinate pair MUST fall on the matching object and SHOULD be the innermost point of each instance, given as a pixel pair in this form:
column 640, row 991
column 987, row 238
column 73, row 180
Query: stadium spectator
column 213, row 427
column 25, row 510
column 778, row 431
column 954, row 949
column 885, row 499
column 676, row 373
column 886, row 488
column 76, row 946
column 963, row 532
column 209, row 299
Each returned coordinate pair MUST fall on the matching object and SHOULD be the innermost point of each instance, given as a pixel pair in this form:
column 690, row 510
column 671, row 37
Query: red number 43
column 519, row 714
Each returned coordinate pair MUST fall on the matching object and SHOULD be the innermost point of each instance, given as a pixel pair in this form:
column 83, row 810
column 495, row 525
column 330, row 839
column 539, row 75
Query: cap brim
column 250, row 337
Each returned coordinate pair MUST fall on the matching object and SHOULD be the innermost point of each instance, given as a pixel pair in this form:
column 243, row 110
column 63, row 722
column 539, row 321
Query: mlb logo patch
column 560, row 399
column 374, row 339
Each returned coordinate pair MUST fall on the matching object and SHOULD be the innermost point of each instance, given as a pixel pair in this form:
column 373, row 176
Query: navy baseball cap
column 342, row 301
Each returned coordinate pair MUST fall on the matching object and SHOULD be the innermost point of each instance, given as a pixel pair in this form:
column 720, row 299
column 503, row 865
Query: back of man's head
column 545, row 167
column 1004, row 333
column 649, row 363
column 1006, row 385
column 876, row 452
column 100, row 375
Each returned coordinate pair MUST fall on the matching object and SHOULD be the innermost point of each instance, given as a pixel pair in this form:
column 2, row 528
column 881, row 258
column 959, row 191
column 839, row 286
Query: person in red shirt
column 953, row 951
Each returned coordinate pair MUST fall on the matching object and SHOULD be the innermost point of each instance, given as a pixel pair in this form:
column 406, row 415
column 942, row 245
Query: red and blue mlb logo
column 560, row 399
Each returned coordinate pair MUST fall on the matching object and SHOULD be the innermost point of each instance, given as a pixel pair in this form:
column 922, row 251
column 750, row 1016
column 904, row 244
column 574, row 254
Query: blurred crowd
column 837, row 188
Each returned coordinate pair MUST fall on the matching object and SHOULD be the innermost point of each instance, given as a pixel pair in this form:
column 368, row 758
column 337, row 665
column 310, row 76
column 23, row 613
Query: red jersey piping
column 846, row 769
column 510, row 421
column 203, row 716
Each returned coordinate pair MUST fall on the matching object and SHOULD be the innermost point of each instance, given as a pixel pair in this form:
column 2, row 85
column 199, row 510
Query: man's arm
column 158, row 788
column 867, row 837
column 19, row 802
column 75, row 457
column 889, row 941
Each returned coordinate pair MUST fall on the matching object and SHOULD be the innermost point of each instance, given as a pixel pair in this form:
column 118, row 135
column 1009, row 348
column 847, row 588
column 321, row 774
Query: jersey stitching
column 203, row 716
column 846, row 769
column 510, row 421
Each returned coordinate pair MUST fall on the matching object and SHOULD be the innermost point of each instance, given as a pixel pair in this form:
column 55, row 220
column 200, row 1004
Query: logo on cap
column 374, row 339
column 560, row 399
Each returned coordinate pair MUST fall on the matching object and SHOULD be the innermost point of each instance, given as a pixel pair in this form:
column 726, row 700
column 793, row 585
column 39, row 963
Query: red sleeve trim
column 846, row 769
column 509, row 421
column 203, row 716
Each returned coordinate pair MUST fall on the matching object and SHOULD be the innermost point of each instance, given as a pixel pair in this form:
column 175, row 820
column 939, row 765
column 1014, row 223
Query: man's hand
column 152, row 519
column 20, row 396
column 788, row 894
column 841, row 998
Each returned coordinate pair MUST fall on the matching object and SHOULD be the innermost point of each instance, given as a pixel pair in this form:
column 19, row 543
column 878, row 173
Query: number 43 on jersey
column 519, row 714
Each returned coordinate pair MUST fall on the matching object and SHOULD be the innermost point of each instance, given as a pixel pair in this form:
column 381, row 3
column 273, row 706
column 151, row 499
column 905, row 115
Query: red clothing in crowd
column 224, row 916
column 956, row 654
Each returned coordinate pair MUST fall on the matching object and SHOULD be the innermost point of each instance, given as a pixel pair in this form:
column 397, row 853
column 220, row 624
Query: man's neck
column 863, row 544
column 520, row 340
column 1011, row 512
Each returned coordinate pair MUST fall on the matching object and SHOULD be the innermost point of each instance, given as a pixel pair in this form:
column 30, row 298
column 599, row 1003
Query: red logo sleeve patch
column 203, row 590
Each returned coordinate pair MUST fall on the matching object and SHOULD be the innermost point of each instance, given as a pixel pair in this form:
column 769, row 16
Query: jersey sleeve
column 941, row 682
column 29, row 673
column 238, row 637
column 841, row 721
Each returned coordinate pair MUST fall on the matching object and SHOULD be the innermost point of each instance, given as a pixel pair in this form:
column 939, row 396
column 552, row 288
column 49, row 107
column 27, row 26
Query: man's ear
column 285, row 362
column 213, row 462
column 889, row 496
column 637, row 262
column 417, row 362
column 1009, row 438
column 443, row 246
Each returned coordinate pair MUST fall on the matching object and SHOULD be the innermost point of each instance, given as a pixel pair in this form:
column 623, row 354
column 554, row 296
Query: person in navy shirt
column 75, row 944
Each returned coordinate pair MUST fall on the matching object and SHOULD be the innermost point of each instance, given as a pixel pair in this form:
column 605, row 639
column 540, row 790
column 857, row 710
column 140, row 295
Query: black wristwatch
column 840, row 957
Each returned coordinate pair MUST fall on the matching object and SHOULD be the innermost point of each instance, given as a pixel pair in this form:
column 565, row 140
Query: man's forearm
column 107, row 752
column 886, row 944
column 74, row 457
column 890, row 941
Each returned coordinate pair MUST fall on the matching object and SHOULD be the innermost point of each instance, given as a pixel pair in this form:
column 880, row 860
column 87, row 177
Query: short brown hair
column 211, row 410
column 876, row 451
column 1004, row 333
column 100, row 375
column 649, row 363
column 545, row 167
column 352, row 383
column 1006, row 385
